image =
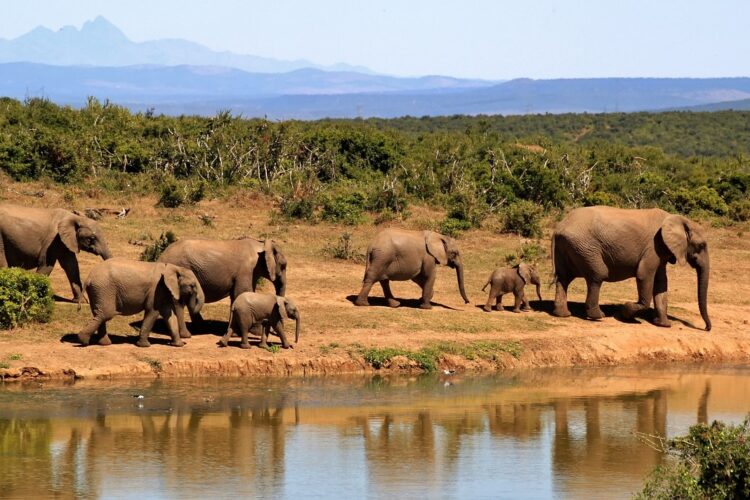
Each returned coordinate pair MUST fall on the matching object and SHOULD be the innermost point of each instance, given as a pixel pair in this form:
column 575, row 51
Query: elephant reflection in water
column 603, row 445
column 520, row 421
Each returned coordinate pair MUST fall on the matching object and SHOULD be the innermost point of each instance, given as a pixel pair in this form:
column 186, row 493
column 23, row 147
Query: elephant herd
column 597, row 244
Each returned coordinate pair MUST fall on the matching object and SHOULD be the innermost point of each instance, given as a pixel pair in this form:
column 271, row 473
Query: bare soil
column 335, row 332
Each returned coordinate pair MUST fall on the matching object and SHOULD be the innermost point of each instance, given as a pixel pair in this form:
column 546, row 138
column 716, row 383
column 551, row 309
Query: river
column 536, row 434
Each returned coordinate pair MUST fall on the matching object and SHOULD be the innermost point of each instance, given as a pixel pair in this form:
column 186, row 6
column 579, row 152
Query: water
column 540, row 434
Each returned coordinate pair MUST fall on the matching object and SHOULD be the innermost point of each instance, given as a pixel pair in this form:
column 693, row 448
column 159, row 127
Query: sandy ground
column 335, row 332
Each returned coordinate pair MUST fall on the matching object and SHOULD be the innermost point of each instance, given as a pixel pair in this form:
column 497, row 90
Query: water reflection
column 560, row 433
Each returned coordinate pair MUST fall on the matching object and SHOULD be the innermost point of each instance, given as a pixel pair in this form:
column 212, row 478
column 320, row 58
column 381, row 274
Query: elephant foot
column 561, row 312
column 288, row 346
column 526, row 309
column 487, row 308
column 630, row 309
column 84, row 339
column 516, row 310
column 664, row 323
column 594, row 313
column 143, row 343
column 223, row 342
column 425, row 305
column 361, row 302
column 393, row 303
column 246, row 345
column 105, row 340
column 178, row 343
column 185, row 335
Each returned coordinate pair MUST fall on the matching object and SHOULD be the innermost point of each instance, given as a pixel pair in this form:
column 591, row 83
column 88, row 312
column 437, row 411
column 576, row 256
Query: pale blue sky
column 469, row 38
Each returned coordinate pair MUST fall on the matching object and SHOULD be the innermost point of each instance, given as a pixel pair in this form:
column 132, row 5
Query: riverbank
column 338, row 337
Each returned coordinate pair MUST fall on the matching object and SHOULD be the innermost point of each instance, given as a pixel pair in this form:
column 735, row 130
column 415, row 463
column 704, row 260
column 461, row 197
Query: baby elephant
column 124, row 287
column 511, row 280
column 252, row 308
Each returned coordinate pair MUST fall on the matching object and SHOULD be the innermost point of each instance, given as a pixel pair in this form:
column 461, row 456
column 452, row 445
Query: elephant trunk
column 702, row 269
column 296, row 328
column 104, row 252
column 460, row 278
column 196, row 302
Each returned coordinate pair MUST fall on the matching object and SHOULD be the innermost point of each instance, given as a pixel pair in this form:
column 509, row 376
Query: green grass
column 4, row 366
column 15, row 357
column 428, row 357
column 155, row 364
column 327, row 349
column 273, row 349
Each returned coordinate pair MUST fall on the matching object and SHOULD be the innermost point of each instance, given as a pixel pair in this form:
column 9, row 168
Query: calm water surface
column 540, row 434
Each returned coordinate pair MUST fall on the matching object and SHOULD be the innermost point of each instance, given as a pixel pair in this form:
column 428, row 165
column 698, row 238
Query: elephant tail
column 489, row 280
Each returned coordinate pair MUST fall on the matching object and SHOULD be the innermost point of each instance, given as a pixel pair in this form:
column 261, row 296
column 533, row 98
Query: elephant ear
column 270, row 259
column 436, row 246
column 674, row 234
column 281, row 302
column 68, row 231
column 171, row 277
column 524, row 272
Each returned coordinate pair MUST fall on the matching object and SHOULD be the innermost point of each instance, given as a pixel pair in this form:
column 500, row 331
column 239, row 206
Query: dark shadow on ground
column 58, row 298
column 408, row 303
column 116, row 338
column 205, row 327
column 254, row 343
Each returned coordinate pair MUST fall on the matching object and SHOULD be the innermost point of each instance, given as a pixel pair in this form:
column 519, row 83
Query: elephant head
column 275, row 266
column 684, row 239
column 445, row 251
column 287, row 309
column 81, row 233
column 184, row 287
column 529, row 275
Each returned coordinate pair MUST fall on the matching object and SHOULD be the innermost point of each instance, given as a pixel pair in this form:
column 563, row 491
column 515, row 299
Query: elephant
column 228, row 267
column 123, row 287
column 252, row 308
column 512, row 280
column 39, row 237
column 612, row 244
column 397, row 254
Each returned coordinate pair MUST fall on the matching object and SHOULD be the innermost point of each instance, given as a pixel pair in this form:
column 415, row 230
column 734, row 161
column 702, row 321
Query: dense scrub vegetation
column 711, row 461
column 24, row 297
column 510, row 170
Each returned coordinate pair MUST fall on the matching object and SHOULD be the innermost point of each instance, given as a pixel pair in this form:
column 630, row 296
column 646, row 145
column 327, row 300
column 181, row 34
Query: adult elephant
column 37, row 238
column 402, row 255
column 613, row 244
column 227, row 268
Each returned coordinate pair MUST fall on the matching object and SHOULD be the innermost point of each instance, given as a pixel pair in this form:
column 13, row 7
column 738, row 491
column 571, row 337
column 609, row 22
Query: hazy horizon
column 479, row 39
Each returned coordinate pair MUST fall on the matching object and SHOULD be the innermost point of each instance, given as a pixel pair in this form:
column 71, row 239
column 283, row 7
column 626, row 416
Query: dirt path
column 336, row 335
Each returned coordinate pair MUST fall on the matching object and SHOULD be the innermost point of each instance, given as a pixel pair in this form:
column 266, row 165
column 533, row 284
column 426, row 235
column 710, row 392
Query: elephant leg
column 492, row 297
column 645, row 286
column 593, row 311
column 561, row 298
column 518, row 302
column 69, row 263
column 427, row 283
column 244, row 324
column 102, row 338
column 180, row 314
column 264, row 336
column 279, row 329
column 84, row 336
column 172, row 327
column 525, row 306
column 660, row 297
column 146, row 326
column 499, row 302
column 386, row 285
column 364, row 292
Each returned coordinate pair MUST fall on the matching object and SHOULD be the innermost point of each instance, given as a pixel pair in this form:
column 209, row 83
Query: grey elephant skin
column 511, row 280
column 125, row 287
column 227, row 268
column 37, row 238
column 400, row 255
column 252, row 308
column 612, row 244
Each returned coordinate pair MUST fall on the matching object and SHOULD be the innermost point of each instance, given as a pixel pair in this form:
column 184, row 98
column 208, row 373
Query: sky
column 470, row 38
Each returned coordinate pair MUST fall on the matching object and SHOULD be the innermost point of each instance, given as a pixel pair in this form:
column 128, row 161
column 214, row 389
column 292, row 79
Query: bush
column 175, row 193
column 344, row 208
column 24, row 297
column 344, row 249
column 524, row 218
column 703, row 198
column 152, row 252
column 739, row 210
column 712, row 461
column 454, row 227
column 531, row 253
column 293, row 208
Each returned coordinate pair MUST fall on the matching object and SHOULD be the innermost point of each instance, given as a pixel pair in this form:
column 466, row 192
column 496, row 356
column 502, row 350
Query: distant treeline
column 515, row 168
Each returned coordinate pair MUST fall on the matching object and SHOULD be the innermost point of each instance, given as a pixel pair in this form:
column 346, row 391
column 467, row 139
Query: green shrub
column 703, row 198
column 344, row 208
column 344, row 249
column 739, row 210
column 601, row 198
column 524, row 218
column 531, row 253
column 711, row 461
column 152, row 252
column 24, row 297
column 454, row 227
column 292, row 208
column 177, row 193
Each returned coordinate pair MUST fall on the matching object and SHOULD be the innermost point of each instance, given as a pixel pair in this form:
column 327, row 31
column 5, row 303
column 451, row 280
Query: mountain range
column 182, row 77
